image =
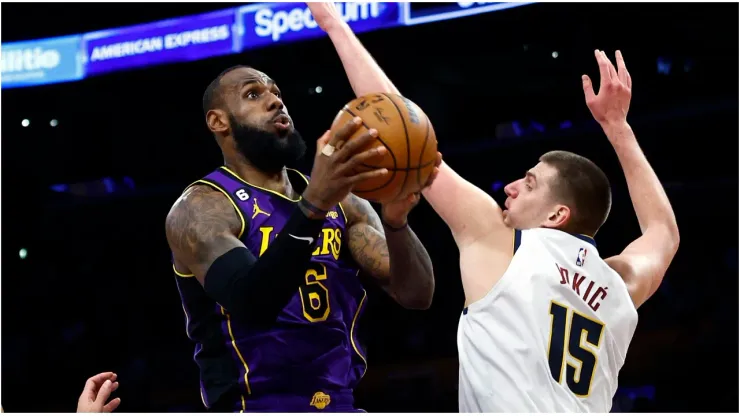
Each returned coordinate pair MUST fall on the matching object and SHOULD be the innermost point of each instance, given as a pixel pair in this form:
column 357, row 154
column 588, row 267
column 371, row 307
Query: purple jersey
column 311, row 358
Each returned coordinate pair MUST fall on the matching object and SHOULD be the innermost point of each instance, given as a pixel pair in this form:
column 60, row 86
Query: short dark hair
column 213, row 96
column 584, row 187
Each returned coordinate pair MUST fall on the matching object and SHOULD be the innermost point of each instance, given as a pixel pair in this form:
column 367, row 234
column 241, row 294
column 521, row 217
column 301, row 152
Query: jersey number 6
column 314, row 295
column 572, row 331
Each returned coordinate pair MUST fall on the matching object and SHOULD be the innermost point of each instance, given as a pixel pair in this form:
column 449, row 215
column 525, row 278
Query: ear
column 558, row 217
column 217, row 121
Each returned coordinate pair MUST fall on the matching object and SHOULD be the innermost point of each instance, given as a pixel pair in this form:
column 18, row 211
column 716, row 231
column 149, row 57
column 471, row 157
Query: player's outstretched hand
column 396, row 213
column 333, row 176
column 612, row 103
column 325, row 14
column 98, row 389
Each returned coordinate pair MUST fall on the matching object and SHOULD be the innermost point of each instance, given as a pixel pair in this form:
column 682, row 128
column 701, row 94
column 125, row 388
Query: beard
column 266, row 151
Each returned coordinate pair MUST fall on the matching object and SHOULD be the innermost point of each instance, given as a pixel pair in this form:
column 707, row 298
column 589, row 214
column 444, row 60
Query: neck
column 277, row 182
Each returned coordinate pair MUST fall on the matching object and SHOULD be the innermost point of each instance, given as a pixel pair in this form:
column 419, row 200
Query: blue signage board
column 43, row 61
column 190, row 38
column 274, row 23
column 174, row 40
column 418, row 13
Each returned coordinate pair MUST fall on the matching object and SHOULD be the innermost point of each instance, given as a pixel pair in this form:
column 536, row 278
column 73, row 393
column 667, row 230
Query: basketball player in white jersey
column 547, row 321
column 506, row 338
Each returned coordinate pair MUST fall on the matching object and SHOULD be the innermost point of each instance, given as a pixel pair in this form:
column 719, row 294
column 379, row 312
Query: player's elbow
column 416, row 303
column 419, row 299
column 671, row 238
column 675, row 237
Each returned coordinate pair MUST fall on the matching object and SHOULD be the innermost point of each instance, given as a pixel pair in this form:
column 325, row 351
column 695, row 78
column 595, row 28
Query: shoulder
column 197, row 199
column 204, row 205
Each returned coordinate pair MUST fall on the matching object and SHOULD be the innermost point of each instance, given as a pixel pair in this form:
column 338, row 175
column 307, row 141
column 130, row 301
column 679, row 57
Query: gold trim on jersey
column 239, row 354
column 187, row 320
column 341, row 208
column 299, row 173
column 237, row 177
column 202, row 398
column 352, row 330
column 181, row 274
column 236, row 207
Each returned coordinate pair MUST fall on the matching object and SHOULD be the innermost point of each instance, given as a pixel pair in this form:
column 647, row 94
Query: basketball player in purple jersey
column 267, row 260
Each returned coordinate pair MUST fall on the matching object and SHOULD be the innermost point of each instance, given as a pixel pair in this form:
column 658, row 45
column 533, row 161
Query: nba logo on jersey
column 581, row 257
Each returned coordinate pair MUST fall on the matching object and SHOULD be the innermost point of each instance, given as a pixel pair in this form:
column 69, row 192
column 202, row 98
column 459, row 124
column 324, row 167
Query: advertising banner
column 38, row 62
column 175, row 40
column 418, row 13
column 190, row 38
column 274, row 23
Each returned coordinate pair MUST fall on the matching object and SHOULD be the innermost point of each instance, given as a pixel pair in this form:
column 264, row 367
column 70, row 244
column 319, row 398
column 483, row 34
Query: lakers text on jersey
column 311, row 358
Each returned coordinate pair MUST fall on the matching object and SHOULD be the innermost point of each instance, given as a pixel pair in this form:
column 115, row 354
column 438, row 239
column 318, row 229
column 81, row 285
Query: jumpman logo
column 256, row 210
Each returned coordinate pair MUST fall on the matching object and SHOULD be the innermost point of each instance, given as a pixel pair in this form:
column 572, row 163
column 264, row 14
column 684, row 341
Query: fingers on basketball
column 323, row 141
column 358, row 144
column 362, row 157
column 405, row 131
column 343, row 133
column 367, row 175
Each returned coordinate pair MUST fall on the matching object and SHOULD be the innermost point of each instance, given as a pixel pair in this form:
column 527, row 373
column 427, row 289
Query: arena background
column 84, row 202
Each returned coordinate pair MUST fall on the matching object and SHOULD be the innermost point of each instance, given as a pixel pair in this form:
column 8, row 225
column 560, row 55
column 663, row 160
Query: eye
column 278, row 94
column 528, row 186
column 252, row 95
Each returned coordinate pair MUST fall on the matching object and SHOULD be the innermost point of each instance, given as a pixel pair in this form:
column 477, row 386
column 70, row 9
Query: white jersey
column 551, row 335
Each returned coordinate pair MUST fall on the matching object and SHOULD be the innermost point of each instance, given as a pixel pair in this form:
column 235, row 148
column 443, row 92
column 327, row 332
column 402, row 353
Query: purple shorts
column 321, row 401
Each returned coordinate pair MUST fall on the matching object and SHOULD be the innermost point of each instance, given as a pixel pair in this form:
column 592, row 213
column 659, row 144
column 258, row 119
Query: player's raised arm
column 388, row 250
column 203, row 228
column 468, row 210
column 366, row 77
column 644, row 262
column 364, row 74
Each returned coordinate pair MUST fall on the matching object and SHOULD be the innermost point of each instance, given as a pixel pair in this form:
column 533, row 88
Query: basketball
column 405, row 131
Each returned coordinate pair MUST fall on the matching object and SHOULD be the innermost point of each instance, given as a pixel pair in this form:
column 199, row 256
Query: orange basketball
column 405, row 131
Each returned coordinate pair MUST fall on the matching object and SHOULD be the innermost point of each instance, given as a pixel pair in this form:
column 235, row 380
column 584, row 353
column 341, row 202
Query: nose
column 275, row 103
column 510, row 190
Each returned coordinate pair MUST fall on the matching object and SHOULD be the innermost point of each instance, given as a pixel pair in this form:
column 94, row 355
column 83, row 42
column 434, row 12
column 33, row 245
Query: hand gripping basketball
column 333, row 176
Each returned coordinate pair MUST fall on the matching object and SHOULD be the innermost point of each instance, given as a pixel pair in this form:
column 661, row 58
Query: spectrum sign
column 289, row 22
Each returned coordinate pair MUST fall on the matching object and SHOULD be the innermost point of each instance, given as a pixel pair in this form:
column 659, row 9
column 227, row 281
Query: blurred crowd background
column 90, row 169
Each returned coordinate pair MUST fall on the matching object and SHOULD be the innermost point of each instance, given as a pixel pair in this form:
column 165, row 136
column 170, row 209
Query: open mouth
column 282, row 122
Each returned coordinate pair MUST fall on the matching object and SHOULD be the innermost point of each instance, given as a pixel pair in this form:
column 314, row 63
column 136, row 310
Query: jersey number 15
column 575, row 332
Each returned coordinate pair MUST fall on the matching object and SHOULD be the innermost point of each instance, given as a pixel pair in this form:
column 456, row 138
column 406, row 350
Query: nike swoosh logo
column 309, row 239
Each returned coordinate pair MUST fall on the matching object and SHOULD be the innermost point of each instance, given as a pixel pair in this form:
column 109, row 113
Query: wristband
column 311, row 207
column 394, row 229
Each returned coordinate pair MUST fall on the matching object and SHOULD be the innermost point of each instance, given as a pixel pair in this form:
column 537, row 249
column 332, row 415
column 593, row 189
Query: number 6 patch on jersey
column 581, row 337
